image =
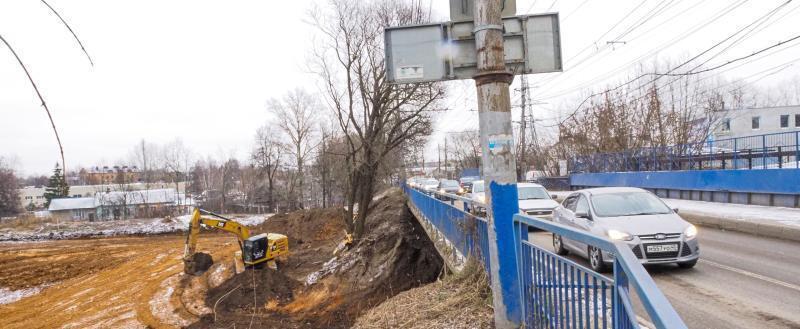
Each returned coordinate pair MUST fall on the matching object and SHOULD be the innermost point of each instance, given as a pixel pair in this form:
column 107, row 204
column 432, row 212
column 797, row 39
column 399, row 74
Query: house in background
column 113, row 205
column 756, row 121
column 74, row 208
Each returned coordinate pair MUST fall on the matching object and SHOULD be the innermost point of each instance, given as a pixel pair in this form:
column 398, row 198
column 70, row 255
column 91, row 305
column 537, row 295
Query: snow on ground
column 730, row 211
column 75, row 230
column 10, row 296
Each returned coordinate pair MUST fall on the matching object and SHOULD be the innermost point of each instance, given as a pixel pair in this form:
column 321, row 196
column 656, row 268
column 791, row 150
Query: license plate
column 663, row 248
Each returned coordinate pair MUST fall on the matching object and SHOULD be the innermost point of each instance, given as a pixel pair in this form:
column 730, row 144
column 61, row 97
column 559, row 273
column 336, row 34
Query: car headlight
column 460, row 190
column 442, row 190
column 690, row 232
column 619, row 235
column 482, row 199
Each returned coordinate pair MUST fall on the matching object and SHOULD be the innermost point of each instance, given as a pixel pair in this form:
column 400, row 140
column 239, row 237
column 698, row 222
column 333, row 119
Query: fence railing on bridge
column 557, row 292
column 768, row 151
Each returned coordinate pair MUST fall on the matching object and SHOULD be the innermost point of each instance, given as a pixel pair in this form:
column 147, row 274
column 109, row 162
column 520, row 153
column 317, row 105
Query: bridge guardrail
column 767, row 151
column 557, row 292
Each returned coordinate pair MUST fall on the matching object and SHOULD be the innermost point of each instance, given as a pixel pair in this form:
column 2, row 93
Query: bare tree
column 375, row 117
column 296, row 115
column 465, row 149
column 176, row 158
column 9, row 193
column 267, row 156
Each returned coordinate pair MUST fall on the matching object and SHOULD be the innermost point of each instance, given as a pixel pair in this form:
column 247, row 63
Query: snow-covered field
column 729, row 211
column 75, row 230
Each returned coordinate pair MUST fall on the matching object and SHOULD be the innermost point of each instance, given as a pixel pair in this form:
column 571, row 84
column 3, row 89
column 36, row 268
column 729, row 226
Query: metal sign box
column 446, row 51
column 461, row 10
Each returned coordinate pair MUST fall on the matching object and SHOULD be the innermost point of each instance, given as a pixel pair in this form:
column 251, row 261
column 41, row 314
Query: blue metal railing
column 768, row 151
column 557, row 292
column 467, row 232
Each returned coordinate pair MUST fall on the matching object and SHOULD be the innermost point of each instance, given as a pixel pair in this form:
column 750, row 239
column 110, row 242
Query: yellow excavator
column 256, row 250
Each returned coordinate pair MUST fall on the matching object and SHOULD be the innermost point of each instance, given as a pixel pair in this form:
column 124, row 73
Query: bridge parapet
column 557, row 292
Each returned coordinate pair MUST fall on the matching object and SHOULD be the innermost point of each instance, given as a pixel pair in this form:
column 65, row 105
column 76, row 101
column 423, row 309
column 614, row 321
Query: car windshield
column 469, row 179
column 477, row 187
column 532, row 193
column 448, row 183
column 628, row 204
column 430, row 181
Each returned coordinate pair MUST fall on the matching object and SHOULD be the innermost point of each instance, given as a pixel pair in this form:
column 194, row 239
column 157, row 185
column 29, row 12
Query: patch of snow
column 732, row 211
column 327, row 268
column 75, row 230
column 10, row 296
column 162, row 309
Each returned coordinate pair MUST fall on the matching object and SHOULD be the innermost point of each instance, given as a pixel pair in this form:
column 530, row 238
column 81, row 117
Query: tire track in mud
column 119, row 292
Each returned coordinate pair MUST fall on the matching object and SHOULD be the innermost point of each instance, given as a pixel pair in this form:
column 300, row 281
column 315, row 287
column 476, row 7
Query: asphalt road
column 741, row 281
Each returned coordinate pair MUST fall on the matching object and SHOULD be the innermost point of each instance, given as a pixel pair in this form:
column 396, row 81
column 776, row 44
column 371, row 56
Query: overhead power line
column 669, row 73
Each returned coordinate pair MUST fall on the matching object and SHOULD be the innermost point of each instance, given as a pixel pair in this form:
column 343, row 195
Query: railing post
column 763, row 151
column 797, row 148
column 620, row 282
column 735, row 154
column 722, row 156
column 780, row 157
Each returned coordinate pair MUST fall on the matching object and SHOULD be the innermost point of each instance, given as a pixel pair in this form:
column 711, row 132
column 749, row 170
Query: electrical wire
column 658, row 75
column 685, row 34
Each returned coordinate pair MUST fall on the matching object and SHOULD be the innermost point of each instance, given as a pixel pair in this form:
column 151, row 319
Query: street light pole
column 499, row 162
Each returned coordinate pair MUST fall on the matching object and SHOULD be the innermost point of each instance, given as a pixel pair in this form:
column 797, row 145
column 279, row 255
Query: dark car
column 466, row 182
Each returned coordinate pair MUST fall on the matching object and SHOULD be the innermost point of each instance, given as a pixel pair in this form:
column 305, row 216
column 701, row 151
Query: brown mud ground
column 137, row 282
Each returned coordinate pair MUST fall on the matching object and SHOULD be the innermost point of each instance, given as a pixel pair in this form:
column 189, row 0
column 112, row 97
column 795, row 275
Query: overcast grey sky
column 202, row 71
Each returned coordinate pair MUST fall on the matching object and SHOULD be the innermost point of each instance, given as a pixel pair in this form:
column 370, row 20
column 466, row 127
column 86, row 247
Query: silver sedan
column 654, row 232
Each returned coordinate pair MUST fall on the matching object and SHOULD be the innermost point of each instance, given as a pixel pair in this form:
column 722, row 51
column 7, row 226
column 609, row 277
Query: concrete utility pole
column 523, row 125
column 499, row 162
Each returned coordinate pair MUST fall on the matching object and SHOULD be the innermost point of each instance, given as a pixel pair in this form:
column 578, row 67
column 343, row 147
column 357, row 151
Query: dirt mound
column 395, row 255
column 458, row 301
column 306, row 225
column 261, row 286
column 199, row 264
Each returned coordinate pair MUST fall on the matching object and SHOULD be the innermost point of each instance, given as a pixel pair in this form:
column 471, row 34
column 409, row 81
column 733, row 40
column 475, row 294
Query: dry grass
column 26, row 222
column 458, row 301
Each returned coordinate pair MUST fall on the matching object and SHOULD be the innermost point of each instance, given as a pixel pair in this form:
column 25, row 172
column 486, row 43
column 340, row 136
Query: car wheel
column 688, row 264
column 558, row 245
column 596, row 260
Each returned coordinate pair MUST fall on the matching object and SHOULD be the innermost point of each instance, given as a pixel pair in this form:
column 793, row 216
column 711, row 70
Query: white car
column 534, row 200
column 428, row 184
column 654, row 232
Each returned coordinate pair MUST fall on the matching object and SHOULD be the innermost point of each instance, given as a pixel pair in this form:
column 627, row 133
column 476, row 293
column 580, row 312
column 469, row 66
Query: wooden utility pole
column 499, row 161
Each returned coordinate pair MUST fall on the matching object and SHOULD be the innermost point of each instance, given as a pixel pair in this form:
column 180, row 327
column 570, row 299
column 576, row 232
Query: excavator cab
column 264, row 247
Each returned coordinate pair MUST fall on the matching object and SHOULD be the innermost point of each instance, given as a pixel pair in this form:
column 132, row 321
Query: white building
column 117, row 205
column 35, row 195
column 757, row 121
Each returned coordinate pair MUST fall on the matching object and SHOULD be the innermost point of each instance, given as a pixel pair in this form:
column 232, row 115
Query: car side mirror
column 553, row 196
column 675, row 210
column 582, row 214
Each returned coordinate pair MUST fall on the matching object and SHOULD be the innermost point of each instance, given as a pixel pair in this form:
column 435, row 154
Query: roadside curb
column 761, row 228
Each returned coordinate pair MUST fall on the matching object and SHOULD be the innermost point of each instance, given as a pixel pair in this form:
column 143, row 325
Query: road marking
column 752, row 275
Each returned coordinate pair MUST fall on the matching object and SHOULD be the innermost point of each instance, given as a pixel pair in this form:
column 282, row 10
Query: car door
column 566, row 216
column 582, row 223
